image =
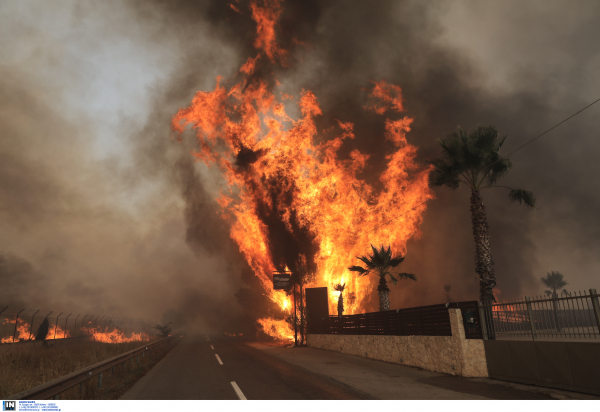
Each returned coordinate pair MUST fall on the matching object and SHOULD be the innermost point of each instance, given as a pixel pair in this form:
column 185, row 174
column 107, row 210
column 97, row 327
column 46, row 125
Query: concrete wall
column 448, row 354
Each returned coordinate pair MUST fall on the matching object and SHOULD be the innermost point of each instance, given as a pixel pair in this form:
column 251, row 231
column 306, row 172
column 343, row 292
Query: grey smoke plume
column 105, row 208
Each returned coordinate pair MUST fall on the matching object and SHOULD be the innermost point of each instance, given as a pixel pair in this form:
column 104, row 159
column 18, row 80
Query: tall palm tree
column 380, row 263
column 555, row 281
column 472, row 159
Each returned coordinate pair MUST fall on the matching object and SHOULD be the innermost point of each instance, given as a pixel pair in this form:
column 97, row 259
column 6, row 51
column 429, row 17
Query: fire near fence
column 19, row 325
column 431, row 320
column 572, row 317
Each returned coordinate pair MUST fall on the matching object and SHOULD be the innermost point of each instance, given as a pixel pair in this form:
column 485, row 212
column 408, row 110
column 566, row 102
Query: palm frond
column 407, row 276
column 522, row 196
column 362, row 271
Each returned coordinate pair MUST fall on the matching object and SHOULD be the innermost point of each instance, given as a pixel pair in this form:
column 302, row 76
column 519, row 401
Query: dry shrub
column 27, row 365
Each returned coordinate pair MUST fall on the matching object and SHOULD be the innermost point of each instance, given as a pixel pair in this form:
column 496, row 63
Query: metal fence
column 572, row 317
column 431, row 320
column 21, row 324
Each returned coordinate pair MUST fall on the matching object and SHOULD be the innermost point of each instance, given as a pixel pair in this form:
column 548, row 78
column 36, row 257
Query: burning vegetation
column 25, row 333
column 292, row 200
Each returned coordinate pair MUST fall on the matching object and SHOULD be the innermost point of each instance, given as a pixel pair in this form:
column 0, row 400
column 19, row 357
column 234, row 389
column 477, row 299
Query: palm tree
column 380, row 263
column 447, row 290
column 555, row 281
column 340, row 288
column 473, row 159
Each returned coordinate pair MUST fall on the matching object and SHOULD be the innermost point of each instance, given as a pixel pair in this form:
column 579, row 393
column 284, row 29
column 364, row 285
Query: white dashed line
column 212, row 347
column 238, row 391
column 219, row 359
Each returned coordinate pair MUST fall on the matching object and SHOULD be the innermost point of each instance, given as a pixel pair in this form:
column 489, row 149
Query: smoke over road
column 101, row 208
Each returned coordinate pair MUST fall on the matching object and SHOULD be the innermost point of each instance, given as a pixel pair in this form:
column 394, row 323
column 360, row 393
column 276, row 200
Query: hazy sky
column 101, row 210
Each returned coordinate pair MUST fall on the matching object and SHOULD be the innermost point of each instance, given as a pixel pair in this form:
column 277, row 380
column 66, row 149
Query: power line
column 517, row 149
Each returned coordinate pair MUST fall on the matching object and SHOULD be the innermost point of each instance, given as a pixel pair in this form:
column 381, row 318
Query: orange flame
column 22, row 331
column 281, row 166
column 279, row 329
column 115, row 336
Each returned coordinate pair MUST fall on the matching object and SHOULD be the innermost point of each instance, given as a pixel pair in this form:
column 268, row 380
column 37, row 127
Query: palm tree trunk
column 483, row 255
column 340, row 305
column 384, row 295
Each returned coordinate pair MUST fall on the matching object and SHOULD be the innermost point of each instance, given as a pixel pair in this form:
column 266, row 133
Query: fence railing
column 18, row 324
column 431, row 320
column 53, row 388
column 574, row 316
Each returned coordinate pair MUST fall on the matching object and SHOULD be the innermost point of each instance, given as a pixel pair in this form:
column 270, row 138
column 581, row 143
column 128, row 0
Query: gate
column 553, row 342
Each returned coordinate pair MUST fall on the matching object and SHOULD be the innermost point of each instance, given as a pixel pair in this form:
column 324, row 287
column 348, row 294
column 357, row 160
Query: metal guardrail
column 53, row 388
column 576, row 316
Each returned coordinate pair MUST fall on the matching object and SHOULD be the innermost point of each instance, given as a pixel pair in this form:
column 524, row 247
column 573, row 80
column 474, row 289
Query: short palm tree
column 380, row 263
column 340, row 288
column 473, row 159
column 555, row 281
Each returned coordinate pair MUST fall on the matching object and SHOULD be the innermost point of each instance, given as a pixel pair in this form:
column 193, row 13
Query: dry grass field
column 24, row 366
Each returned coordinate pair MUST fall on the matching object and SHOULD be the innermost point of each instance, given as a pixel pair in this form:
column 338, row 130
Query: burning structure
column 292, row 200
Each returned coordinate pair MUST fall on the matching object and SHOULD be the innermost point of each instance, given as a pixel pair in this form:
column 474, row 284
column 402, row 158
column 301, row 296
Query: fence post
column 100, row 380
column 530, row 313
column 16, row 323
column 482, row 321
column 65, row 331
column 56, row 324
column 31, row 326
column 75, row 325
column 596, row 305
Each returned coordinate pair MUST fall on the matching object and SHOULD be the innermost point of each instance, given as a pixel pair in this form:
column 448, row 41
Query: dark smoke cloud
column 139, row 232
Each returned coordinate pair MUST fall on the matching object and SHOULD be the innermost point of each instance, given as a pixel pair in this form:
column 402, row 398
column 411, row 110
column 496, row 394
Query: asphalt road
column 203, row 367
column 218, row 367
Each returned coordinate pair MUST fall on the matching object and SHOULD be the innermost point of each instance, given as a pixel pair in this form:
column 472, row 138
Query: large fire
column 281, row 169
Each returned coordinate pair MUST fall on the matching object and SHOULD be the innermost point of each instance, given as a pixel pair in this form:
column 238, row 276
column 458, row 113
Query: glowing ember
column 280, row 168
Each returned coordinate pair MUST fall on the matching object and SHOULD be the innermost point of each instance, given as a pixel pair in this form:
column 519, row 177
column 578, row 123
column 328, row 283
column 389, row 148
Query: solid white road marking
column 219, row 359
column 212, row 347
column 238, row 391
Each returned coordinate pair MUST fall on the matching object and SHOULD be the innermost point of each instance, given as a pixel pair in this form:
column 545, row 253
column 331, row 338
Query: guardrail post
column 138, row 360
column 482, row 321
column 530, row 313
column 81, row 389
column 596, row 305
column 100, row 380
column 56, row 397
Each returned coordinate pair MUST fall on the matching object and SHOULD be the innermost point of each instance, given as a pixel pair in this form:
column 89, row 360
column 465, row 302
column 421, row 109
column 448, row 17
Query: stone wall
column 448, row 354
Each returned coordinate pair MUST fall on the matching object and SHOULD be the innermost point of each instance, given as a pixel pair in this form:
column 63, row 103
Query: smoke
column 106, row 210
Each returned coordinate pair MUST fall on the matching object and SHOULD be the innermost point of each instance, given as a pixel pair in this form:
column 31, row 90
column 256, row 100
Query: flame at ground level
column 24, row 331
column 278, row 329
column 116, row 336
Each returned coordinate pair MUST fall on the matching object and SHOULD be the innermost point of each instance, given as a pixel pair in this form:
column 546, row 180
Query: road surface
column 219, row 368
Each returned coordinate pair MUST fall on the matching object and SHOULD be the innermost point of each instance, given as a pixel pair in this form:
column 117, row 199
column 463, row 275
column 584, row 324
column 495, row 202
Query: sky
column 102, row 210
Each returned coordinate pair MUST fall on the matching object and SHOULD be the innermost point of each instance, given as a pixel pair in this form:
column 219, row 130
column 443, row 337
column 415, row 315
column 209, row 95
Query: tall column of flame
column 289, row 170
